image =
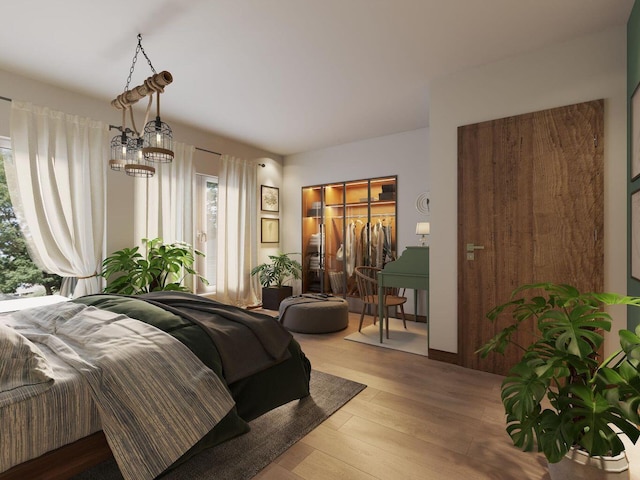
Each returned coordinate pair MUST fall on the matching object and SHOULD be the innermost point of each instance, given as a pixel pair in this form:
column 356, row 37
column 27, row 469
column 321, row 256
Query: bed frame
column 64, row 462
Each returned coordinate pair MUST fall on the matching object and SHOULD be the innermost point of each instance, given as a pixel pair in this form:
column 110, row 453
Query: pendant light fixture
column 133, row 152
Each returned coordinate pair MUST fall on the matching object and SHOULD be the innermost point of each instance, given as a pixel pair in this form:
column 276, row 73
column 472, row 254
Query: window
column 19, row 276
column 207, row 230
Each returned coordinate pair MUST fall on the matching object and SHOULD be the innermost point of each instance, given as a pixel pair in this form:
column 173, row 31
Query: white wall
column 585, row 69
column 120, row 232
column 403, row 154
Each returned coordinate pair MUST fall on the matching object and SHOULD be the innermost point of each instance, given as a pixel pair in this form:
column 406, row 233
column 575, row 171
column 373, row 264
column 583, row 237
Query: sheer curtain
column 164, row 205
column 237, row 232
column 56, row 179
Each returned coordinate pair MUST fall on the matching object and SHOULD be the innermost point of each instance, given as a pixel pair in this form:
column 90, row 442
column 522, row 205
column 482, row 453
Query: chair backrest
column 367, row 280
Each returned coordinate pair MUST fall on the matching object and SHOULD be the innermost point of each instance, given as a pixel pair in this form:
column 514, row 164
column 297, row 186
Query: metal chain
column 135, row 59
column 145, row 54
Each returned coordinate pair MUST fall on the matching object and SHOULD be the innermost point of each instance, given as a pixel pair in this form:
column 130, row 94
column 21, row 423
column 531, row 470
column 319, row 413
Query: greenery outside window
column 19, row 276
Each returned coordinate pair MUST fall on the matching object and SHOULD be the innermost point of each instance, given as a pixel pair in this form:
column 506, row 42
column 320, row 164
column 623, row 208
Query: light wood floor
column 417, row 419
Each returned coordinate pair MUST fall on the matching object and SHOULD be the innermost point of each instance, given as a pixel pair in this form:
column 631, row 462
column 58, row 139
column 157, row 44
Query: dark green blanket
column 247, row 341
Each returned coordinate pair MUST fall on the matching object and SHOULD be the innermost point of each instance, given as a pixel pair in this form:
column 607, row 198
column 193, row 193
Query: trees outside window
column 17, row 270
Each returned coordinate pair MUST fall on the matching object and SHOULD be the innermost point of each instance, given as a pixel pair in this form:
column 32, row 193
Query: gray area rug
column 271, row 434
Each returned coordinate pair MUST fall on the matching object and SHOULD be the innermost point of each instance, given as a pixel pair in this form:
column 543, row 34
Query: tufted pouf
column 313, row 313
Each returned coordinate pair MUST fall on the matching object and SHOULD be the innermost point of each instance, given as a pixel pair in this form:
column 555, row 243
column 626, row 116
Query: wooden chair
column 367, row 281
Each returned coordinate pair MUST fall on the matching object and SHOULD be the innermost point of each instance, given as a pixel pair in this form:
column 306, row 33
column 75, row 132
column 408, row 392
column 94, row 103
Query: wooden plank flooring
column 417, row 419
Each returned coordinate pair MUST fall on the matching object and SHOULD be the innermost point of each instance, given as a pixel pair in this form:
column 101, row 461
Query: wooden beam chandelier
column 133, row 152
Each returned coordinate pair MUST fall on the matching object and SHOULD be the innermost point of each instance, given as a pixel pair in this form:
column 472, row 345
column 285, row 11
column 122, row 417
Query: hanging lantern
column 136, row 165
column 157, row 139
column 118, row 152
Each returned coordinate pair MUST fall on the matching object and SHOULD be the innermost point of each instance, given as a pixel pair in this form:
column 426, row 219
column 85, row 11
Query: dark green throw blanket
column 248, row 342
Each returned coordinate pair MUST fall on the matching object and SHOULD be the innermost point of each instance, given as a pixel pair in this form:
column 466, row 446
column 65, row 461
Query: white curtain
column 164, row 205
column 237, row 232
column 56, row 179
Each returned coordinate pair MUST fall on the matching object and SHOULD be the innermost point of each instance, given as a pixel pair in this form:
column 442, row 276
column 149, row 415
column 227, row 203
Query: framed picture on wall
column 635, row 134
column 635, row 234
column 269, row 199
column 270, row 230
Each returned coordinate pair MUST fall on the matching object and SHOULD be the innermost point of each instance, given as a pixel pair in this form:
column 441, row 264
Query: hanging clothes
column 365, row 236
column 373, row 237
column 350, row 248
column 387, row 248
column 380, row 244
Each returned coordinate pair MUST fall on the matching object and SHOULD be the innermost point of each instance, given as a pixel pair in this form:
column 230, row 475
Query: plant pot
column 272, row 296
column 577, row 464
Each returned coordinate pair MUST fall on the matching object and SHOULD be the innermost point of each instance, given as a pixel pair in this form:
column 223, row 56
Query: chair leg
column 404, row 320
column 386, row 311
column 362, row 316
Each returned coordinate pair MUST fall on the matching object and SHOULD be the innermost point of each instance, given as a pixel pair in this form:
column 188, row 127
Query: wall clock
column 422, row 203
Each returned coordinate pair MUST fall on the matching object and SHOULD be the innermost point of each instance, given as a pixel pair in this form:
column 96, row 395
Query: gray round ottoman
column 314, row 313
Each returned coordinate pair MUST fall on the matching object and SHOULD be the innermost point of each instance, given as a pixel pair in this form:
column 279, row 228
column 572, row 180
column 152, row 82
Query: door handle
column 471, row 248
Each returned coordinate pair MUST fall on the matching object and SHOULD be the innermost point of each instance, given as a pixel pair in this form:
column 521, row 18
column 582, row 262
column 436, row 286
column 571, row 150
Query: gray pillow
column 21, row 362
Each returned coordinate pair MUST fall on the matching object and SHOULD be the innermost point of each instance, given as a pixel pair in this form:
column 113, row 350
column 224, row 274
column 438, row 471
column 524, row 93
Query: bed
column 244, row 360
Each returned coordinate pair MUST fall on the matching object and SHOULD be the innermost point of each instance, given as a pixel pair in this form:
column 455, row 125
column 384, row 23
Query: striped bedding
column 31, row 427
column 153, row 398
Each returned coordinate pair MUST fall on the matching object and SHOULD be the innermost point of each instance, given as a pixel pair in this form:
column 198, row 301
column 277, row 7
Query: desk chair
column 367, row 281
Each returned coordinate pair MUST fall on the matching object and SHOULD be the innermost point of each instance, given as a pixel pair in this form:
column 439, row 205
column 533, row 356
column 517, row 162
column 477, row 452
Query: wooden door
column 530, row 194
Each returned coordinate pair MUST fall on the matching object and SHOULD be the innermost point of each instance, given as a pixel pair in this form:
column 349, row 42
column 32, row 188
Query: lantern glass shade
column 118, row 153
column 136, row 165
column 157, row 142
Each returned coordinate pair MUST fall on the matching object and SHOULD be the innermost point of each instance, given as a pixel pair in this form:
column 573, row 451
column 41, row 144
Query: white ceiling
column 286, row 75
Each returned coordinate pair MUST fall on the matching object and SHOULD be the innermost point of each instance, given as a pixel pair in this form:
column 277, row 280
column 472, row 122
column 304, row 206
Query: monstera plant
column 164, row 267
column 561, row 395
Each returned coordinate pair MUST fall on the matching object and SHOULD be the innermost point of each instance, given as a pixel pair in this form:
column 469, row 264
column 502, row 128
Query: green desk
column 410, row 270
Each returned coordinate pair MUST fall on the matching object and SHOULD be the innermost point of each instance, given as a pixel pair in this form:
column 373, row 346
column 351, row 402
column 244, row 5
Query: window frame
column 201, row 231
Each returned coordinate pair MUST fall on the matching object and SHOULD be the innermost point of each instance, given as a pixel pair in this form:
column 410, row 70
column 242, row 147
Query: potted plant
column 561, row 398
column 272, row 277
column 164, row 267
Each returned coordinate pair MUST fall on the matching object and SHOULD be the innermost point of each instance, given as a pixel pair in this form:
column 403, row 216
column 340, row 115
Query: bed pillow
column 21, row 362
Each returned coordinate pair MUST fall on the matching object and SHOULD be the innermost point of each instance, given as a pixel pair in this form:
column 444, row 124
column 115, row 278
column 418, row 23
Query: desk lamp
column 423, row 229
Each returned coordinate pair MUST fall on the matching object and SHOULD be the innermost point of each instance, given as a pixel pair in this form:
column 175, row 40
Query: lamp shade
column 158, row 142
column 423, row 228
column 136, row 165
column 118, row 152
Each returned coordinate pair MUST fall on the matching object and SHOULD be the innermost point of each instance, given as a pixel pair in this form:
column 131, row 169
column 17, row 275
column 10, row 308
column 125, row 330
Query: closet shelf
column 362, row 204
column 361, row 215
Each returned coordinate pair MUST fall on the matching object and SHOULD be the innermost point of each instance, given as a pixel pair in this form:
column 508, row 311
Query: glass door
column 334, row 222
column 312, row 239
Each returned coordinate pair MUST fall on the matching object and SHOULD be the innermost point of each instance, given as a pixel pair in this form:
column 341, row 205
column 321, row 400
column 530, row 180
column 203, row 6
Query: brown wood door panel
column 530, row 191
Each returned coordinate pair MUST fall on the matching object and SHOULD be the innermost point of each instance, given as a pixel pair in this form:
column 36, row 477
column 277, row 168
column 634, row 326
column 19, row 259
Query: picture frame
column 635, row 134
column 269, row 198
column 270, row 230
column 635, row 234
